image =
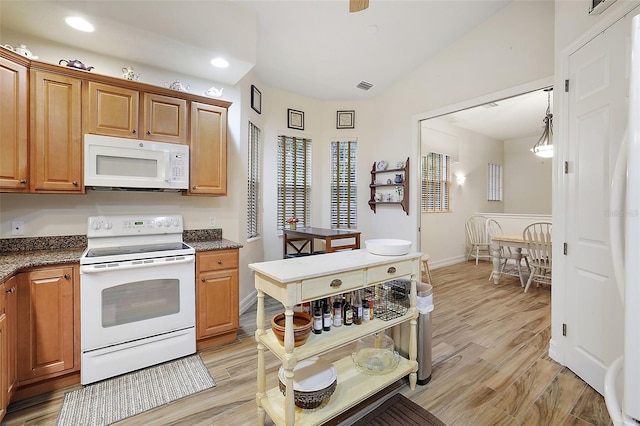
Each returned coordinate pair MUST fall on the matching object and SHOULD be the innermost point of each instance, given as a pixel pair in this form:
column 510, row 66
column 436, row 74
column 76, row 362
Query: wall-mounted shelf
column 376, row 174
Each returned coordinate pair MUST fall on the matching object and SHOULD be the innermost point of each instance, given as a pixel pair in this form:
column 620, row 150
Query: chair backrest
column 476, row 227
column 493, row 228
column 537, row 238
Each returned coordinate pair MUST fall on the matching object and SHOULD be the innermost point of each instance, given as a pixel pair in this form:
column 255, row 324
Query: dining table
column 500, row 243
column 302, row 240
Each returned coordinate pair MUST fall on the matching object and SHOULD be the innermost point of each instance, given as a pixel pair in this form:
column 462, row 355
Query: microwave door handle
column 169, row 163
column 91, row 269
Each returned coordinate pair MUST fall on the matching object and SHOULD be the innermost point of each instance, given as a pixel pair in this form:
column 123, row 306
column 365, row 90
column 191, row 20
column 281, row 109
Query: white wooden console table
column 293, row 281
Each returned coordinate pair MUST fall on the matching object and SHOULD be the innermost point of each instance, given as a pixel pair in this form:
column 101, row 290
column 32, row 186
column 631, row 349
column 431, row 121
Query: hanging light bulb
column 544, row 146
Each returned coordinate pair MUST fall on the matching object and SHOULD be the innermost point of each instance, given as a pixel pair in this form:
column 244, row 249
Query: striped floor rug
column 124, row 396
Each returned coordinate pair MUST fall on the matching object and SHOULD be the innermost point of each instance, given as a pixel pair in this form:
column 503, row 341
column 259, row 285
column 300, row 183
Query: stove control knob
column 159, row 224
column 95, row 225
column 108, row 225
column 167, row 223
column 175, row 223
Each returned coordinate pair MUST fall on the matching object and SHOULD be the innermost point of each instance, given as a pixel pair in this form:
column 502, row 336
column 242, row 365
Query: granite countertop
column 21, row 253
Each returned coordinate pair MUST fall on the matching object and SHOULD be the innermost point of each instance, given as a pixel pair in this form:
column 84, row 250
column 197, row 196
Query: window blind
column 435, row 170
column 294, row 180
column 253, row 182
column 343, row 184
column 494, row 182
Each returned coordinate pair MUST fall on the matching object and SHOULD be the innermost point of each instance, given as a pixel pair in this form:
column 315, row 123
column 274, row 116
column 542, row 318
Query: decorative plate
column 381, row 165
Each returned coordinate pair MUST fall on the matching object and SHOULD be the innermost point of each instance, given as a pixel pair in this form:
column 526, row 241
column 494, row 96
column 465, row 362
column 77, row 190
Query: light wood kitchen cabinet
column 14, row 122
column 117, row 111
column 56, row 133
column 48, row 339
column 208, row 172
column 4, row 354
column 11, row 303
column 217, row 303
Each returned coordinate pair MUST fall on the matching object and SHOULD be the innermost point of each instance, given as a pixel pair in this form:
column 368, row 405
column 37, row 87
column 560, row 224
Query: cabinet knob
column 23, row 181
column 193, row 187
column 75, row 183
column 11, row 290
column 133, row 131
column 219, row 261
column 148, row 132
column 67, row 276
column 202, row 279
column 336, row 283
column 391, row 270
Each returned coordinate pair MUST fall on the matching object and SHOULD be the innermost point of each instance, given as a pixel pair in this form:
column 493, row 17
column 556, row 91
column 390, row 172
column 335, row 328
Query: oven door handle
column 94, row 269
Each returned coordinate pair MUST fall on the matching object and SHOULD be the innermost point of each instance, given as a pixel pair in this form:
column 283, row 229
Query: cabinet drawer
column 217, row 260
column 315, row 288
column 389, row 271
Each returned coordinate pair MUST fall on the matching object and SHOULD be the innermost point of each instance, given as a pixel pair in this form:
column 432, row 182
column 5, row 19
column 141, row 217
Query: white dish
column 381, row 165
column 311, row 375
column 388, row 247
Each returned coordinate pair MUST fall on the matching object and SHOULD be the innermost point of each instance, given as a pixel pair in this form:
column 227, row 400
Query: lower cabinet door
column 217, row 303
column 45, row 323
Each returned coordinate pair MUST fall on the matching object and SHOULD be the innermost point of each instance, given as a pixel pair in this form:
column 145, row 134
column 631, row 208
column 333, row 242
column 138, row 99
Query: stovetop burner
column 135, row 250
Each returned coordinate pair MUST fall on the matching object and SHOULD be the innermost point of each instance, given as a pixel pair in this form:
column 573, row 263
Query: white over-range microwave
column 121, row 163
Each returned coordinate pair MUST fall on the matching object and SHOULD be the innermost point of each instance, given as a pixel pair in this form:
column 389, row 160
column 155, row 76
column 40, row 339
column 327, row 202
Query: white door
column 597, row 118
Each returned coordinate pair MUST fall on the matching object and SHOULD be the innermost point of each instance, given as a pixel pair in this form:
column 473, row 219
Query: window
column 294, row 180
column 494, row 182
column 253, row 182
column 343, row 184
column 436, row 181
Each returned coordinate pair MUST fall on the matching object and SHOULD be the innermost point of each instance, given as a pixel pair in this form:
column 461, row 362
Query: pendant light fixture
column 544, row 146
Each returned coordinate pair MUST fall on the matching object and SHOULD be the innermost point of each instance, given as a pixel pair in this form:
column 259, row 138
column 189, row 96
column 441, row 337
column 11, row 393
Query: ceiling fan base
column 358, row 5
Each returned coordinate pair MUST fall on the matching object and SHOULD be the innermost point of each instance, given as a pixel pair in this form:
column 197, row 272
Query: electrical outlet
column 17, row 227
column 212, row 221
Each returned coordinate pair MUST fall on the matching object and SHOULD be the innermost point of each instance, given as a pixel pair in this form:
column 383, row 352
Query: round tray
column 314, row 380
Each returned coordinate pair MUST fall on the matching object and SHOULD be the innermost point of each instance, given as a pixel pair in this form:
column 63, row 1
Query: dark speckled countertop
column 21, row 253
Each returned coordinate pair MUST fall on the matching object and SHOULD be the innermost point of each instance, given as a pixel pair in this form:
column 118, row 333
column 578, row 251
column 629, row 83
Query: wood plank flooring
column 490, row 366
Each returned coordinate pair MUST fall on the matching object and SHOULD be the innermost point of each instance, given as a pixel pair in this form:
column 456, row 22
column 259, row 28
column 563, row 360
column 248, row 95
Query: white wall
column 527, row 178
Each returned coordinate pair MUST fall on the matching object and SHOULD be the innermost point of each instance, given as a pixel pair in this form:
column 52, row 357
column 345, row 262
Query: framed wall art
column 256, row 99
column 346, row 120
column 295, row 119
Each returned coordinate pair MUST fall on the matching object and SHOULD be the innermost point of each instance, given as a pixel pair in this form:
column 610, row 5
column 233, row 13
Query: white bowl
column 388, row 247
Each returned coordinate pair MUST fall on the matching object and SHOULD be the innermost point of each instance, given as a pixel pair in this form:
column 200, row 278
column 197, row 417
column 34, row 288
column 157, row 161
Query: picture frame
column 346, row 119
column 256, row 99
column 295, row 119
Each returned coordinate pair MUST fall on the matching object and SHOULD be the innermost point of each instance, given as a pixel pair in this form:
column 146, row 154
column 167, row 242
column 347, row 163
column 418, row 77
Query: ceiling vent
column 364, row 85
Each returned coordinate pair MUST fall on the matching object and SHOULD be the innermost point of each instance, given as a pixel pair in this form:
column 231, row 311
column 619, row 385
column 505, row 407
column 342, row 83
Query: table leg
column 495, row 257
column 518, row 262
column 262, row 374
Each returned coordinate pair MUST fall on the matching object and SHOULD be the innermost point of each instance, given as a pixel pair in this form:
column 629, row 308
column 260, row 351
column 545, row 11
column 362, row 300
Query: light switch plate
column 212, row 221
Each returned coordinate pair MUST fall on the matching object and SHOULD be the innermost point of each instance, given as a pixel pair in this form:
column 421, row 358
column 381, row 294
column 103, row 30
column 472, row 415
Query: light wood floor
column 490, row 366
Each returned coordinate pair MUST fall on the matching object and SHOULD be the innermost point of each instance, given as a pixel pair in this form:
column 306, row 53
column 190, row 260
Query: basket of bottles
column 390, row 299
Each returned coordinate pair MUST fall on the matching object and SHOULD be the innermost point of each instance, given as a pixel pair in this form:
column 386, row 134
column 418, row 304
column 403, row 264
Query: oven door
column 121, row 302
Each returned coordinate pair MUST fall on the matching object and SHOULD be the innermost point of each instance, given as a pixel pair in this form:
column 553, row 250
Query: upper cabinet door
column 14, row 121
column 165, row 119
column 112, row 110
column 56, row 133
column 208, row 173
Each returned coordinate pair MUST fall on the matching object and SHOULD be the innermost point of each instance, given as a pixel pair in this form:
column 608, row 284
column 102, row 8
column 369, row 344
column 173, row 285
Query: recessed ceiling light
column 219, row 62
column 79, row 24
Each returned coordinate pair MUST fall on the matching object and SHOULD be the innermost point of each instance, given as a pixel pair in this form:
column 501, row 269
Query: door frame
column 510, row 92
column 558, row 345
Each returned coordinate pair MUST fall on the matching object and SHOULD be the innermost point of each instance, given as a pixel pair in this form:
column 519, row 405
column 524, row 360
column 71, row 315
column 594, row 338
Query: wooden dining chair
column 511, row 261
column 537, row 238
column 477, row 238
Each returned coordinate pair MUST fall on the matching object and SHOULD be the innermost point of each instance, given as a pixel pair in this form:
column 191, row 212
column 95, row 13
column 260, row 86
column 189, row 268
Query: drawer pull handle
column 219, row 261
column 336, row 283
column 391, row 270
column 23, row 181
